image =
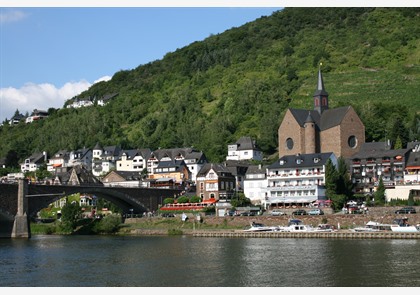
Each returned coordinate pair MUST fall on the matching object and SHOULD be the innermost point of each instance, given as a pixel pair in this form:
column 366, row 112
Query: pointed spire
column 320, row 95
column 320, row 90
column 309, row 119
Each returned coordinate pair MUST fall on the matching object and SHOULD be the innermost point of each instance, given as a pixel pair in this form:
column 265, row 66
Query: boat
column 259, row 227
column 296, row 225
column 401, row 225
column 371, row 226
column 324, row 228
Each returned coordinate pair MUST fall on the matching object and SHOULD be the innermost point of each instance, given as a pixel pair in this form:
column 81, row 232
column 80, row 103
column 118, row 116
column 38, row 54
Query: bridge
column 21, row 202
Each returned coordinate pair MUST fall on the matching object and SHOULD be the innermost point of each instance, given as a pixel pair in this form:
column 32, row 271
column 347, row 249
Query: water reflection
column 178, row 261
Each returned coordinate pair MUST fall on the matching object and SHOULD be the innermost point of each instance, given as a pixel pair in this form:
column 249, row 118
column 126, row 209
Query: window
column 289, row 143
column 352, row 141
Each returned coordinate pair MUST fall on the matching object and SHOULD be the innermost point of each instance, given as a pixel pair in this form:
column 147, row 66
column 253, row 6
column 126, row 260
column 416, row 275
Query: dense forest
column 240, row 82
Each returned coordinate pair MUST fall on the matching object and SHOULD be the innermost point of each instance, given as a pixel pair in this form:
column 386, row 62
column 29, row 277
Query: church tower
column 320, row 95
column 310, row 135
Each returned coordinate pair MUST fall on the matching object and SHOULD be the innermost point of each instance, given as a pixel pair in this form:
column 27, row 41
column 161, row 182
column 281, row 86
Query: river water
column 185, row 261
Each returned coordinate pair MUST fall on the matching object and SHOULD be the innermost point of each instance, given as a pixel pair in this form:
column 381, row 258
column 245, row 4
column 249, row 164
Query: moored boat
column 296, row 225
column 401, row 225
column 259, row 227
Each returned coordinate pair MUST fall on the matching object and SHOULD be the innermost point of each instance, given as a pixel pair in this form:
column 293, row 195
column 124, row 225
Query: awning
column 56, row 165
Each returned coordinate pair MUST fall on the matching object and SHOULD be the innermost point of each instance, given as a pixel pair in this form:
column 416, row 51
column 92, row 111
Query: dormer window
column 316, row 160
column 282, row 162
column 299, row 161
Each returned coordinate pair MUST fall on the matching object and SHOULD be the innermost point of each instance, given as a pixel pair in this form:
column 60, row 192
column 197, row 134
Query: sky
column 51, row 54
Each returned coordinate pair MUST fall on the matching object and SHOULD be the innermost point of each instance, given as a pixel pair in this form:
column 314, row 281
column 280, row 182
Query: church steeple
column 320, row 95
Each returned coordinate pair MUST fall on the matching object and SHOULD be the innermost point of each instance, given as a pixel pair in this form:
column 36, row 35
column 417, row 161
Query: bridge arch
column 23, row 201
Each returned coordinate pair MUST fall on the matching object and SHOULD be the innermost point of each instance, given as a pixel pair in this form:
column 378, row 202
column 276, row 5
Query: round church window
column 352, row 141
column 289, row 143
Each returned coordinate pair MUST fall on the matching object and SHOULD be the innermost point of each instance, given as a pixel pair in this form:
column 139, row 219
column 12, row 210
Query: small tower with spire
column 320, row 95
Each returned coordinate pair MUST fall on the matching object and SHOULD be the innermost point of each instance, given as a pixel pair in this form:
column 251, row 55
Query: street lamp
column 131, row 210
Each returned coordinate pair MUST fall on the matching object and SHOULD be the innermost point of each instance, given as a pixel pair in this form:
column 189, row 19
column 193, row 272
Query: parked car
column 300, row 212
column 276, row 212
column 315, row 212
column 406, row 210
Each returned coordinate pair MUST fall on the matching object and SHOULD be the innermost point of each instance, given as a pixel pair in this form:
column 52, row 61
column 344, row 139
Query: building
column 123, row 179
column 377, row 160
column 193, row 158
column 59, row 159
column 36, row 115
column 321, row 130
column 104, row 159
column 256, row 183
column 175, row 170
column 134, row 160
column 297, row 179
column 34, row 162
column 215, row 181
column 244, row 149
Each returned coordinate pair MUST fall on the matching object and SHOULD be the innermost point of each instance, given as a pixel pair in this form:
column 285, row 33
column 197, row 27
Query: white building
column 244, row 149
column 133, row 160
column 298, row 179
column 34, row 162
column 255, row 184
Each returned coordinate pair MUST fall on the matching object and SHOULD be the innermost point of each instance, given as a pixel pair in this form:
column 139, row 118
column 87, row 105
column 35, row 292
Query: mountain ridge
column 240, row 82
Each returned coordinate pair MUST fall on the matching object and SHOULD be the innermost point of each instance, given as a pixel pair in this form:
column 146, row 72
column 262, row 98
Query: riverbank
column 234, row 225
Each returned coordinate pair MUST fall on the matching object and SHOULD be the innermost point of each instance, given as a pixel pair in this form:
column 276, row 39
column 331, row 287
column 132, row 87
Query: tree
column 380, row 193
column 70, row 214
column 344, row 184
column 331, row 177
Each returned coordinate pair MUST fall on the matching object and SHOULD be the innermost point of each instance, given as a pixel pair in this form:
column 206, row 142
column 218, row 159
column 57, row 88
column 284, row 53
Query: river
column 186, row 261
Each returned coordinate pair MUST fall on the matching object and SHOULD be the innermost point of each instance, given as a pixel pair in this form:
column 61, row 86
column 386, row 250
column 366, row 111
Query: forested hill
column 240, row 82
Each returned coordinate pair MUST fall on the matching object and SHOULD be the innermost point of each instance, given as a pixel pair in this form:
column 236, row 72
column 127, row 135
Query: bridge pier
column 21, row 228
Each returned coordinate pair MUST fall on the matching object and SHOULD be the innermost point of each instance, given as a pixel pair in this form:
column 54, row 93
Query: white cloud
column 8, row 16
column 37, row 96
column 104, row 78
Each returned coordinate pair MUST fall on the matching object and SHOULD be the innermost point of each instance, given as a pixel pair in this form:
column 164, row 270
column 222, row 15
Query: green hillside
column 240, row 82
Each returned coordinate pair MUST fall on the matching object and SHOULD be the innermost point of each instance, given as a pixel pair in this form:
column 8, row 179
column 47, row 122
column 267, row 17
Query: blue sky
column 50, row 54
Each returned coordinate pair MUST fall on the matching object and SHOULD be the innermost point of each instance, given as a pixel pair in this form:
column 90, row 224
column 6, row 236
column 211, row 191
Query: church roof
column 328, row 119
column 332, row 117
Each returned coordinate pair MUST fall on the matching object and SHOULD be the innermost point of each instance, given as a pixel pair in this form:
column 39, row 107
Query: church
column 321, row 130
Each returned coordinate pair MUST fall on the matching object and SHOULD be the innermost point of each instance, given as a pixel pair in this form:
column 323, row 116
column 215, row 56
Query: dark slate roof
column 173, row 163
column 81, row 152
column 413, row 159
column 246, row 143
column 218, row 168
column 130, row 153
column 301, row 116
column 329, row 118
column 378, row 154
column 320, row 89
column 173, row 153
column 61, row 154
column 98, row 146
column 375, row 146
column 305, row 160
column 84, row 175
column 414, row 145
column 256, row 169
column 129, row 175
column 112, row 150
column 36, row 158
column 332, row 117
